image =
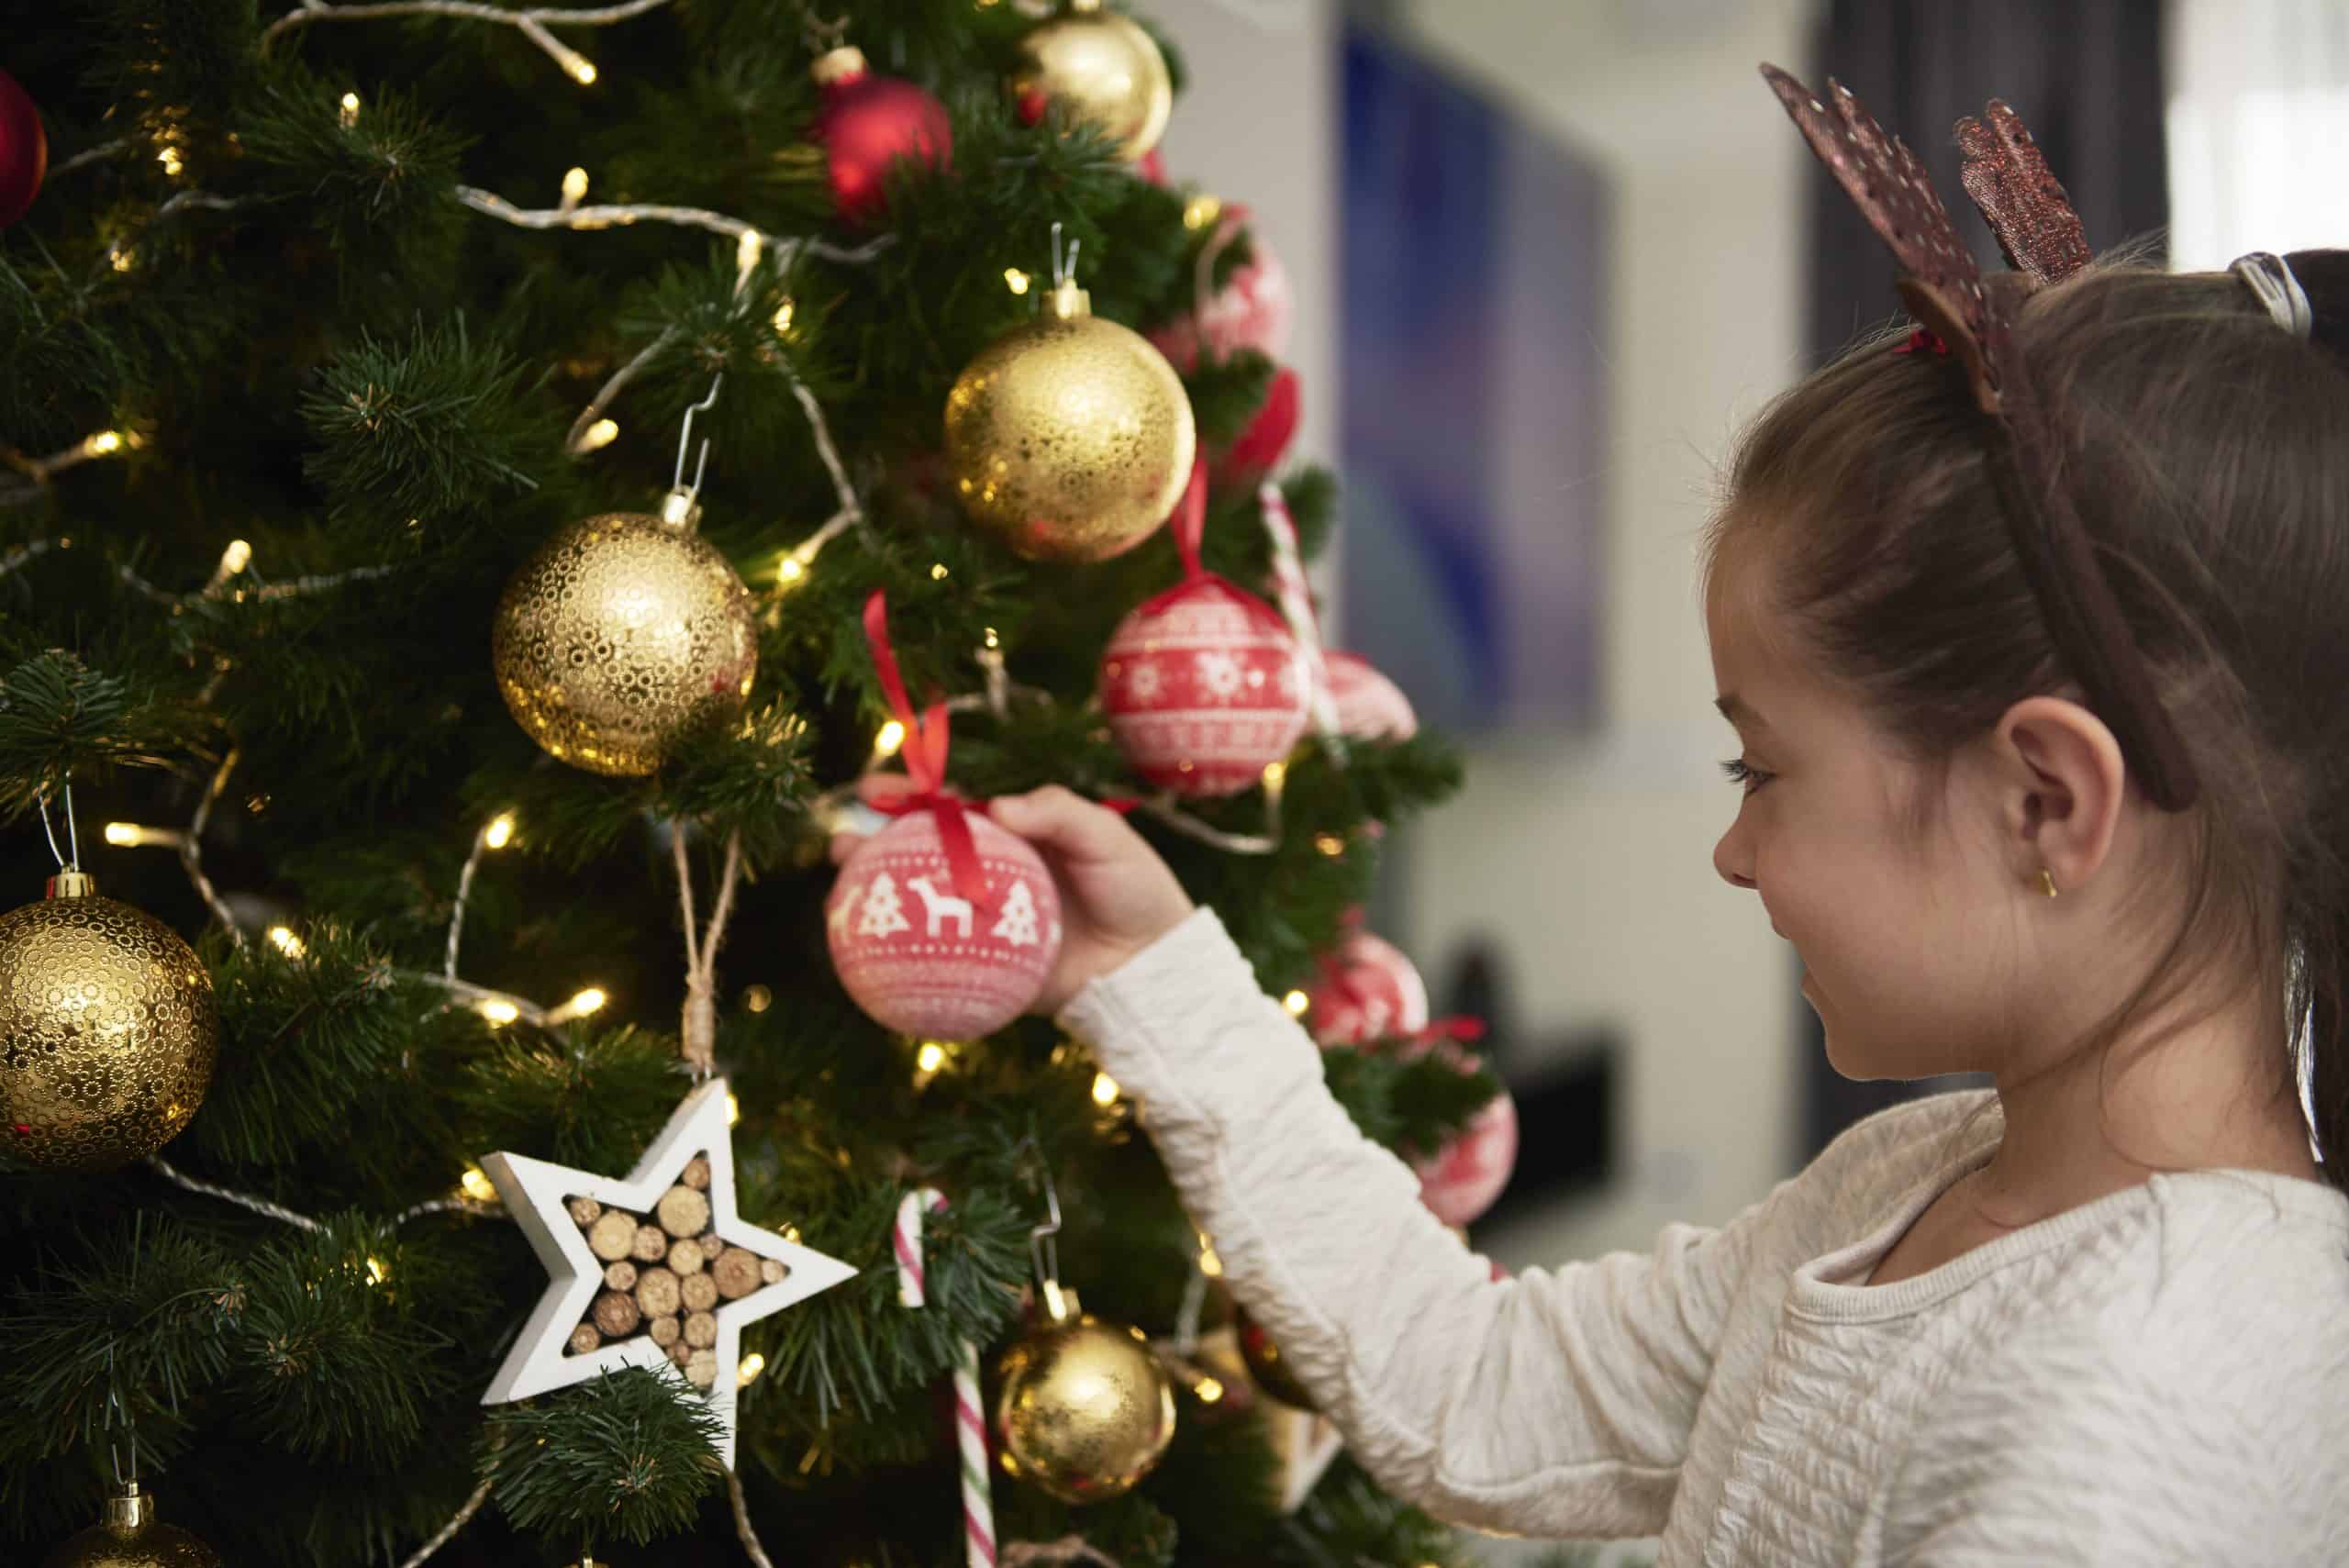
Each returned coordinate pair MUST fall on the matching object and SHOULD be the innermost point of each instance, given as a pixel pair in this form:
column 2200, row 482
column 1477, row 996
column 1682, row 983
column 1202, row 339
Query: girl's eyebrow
column 1737, row 712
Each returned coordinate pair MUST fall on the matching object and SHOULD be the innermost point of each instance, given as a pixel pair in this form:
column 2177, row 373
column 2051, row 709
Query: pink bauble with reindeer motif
column 1367, row 990
column 923, row 960
column 1204, row 688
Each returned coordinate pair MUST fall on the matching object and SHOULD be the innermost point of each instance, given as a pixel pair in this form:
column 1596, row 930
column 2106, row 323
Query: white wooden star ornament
column 540, row 1195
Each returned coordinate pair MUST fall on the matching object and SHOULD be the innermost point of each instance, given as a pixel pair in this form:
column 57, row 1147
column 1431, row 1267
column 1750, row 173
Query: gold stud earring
column 2047, row 881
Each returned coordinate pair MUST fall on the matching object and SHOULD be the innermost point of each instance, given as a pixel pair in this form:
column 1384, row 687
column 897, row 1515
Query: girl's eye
column 1740, row 772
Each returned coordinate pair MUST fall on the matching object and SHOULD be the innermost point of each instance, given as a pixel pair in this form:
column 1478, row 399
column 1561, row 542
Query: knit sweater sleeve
column 1557, row 1403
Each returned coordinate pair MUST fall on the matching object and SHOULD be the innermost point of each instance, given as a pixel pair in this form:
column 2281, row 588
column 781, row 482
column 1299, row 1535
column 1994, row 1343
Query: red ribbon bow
column 925, row 753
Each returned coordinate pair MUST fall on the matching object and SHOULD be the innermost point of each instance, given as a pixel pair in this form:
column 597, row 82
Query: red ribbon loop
column 1191, row 519
column 925, row 752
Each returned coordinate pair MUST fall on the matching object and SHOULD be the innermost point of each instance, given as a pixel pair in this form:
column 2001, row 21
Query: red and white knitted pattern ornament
column 923, row 958
column 1255, row 309
column 1370, row 707
column 1203, row 686
column 1367, row 990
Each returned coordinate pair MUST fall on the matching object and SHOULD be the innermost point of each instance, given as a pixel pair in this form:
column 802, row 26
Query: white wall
column 1592, row 861
column 1258, row 124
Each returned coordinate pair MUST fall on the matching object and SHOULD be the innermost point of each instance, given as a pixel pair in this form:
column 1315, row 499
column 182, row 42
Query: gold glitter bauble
column 1105, row 68
column 107, row 1030
column 1085, row 1408
column 131, row 1539
column 1069, row 438
column 1268, row 1366
column 621, row 635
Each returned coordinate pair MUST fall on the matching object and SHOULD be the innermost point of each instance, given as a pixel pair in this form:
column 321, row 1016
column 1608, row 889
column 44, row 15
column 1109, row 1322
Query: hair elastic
column 2270, row 277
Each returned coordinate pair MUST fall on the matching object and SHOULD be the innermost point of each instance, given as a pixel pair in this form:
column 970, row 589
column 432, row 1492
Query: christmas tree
column 484, row 488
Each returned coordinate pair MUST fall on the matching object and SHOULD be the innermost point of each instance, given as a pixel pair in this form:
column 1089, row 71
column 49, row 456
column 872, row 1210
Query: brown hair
column 2206, row 453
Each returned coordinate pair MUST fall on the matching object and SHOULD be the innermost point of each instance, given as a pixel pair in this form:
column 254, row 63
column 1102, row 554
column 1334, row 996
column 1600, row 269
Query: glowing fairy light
column 500, row 832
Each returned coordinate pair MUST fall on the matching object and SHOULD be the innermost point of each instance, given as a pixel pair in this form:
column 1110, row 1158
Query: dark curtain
column 2085, row 76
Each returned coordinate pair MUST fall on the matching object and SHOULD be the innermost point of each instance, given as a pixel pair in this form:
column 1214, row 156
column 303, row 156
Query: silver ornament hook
column 72, row 834
column 684, row 440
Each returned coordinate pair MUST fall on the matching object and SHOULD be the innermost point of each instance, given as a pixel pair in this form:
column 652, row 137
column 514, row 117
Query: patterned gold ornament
column 624, row 633
column 107, row 1030
column 1069, row 438
column 129, row 1537
column 1103, row 66
column 1085, row 1409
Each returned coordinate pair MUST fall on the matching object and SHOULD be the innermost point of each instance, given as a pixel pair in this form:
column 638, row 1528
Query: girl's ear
column 2062, row 783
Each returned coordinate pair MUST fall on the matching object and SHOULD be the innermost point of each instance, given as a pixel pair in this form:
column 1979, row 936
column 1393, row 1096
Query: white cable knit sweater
column 2160, row 1377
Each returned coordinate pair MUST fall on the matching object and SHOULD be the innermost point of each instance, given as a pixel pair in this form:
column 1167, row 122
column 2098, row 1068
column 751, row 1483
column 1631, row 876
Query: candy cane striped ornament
column 1295, row 596
column 970, row 1419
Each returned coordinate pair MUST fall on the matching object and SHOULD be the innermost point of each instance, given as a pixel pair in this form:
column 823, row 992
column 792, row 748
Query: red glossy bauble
column 866, row 124
column 1204, row 688
column 23, row 151
column 1367, row 990
column 921, row 959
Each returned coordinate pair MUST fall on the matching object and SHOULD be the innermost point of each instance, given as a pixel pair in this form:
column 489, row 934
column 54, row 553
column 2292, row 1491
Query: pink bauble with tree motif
column 923, row 958
column 1204, row 688
column 1367, row 990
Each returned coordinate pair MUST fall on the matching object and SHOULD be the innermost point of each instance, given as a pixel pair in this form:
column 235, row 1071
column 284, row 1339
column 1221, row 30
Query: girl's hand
column 1117, row 895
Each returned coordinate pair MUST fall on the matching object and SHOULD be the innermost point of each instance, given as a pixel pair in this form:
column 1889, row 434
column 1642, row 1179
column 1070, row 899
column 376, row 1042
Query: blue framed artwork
column 1473, row 442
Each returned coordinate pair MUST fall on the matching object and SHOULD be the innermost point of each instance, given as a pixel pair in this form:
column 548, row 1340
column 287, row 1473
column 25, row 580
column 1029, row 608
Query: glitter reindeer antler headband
column 1942, row 287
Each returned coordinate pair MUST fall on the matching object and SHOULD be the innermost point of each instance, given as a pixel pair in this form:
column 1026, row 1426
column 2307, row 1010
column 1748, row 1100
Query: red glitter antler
column 1940, row 281
column 2024, row 202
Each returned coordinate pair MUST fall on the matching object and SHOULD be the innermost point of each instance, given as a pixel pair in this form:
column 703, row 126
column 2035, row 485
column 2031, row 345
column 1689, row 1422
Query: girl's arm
column 1558, row 1403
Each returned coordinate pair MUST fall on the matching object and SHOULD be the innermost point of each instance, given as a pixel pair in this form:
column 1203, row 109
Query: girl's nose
column 1732, row 861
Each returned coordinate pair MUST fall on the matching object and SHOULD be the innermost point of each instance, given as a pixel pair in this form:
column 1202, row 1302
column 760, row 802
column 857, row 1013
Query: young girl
column 2099, row 1313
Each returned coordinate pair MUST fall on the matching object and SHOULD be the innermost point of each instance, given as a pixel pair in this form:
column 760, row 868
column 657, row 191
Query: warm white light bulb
column 575, row 184
column 1016, row 280
column 499, row 1011
column 475, row 1184
column 892, row 735
column 349, row 110
column 747, row 1373
column 599, row 435
column 286, row 942
column 500, row 832
column 1105, row 1089
column 1297, row 1002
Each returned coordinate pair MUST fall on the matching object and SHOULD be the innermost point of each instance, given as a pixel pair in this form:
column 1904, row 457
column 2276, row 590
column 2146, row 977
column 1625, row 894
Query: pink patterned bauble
column 1367, row 990
column 922, row 959
column 1255, row 309
column 1462, row 1180
column 1370, row 707
column 1204, row 688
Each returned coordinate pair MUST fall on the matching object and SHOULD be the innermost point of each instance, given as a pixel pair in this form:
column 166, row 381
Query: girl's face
column 1906, row 931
